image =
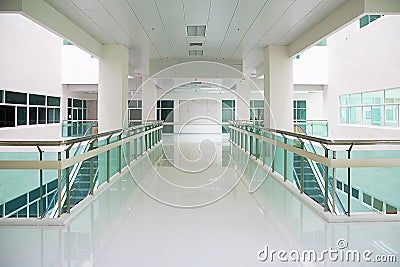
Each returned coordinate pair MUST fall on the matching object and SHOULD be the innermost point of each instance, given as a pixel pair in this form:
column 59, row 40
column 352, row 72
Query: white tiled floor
column 198, row 214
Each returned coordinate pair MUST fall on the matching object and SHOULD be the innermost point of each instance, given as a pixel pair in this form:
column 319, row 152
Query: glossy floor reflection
column 195, row 212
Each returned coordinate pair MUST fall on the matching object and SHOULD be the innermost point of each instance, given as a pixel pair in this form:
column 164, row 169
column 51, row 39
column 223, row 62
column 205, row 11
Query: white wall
column 315, row 104
column 78, row 67
column 365, row 59
column 30, row 61
column 312, row 66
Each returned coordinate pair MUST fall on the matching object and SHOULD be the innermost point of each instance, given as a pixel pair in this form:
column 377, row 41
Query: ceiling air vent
column 193, row 53
column 196, row 31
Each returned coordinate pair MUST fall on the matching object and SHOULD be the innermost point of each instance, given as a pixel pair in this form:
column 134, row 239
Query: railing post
column 67, row 185
column 284, row 160
column 302, row 170
column 40, row 184
column 59, row 186
column 334, row 184
column 108, row 160
column 326, row 179
column 120, row 152
column 91, row 169
column 348, row 182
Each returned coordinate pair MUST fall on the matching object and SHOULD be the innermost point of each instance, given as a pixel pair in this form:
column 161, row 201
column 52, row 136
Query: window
column 256, row 109
column 375, row 108
column 21, row 116
column 165, row 112
column 32, row 115
column 367, row 19
column 16, row 98
column 53, row 101
column 299, row 111
column 134, row 112
column 228, row 113
column 76, row 110
column 37, row 100
column 1, row 96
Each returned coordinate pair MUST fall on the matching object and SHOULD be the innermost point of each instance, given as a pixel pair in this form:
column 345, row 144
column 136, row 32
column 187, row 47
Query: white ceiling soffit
column 234, row 29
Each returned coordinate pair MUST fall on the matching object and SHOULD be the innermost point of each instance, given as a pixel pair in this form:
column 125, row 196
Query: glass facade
column 256, row 109
column 228, row 113
column 299, row 111
column 376, row 108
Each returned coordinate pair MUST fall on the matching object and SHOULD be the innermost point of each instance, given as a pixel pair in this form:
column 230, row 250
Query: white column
column 243, row 100
column 149, row 99
column 278, row 87
column 113, row 88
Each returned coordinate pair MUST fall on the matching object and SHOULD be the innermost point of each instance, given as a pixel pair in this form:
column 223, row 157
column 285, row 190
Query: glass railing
column 313, row 127
column 48, row 178
column 343, row 176
column 72, row 128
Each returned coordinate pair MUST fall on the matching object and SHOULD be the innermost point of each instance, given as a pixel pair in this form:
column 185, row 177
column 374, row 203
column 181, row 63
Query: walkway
column 196, row 212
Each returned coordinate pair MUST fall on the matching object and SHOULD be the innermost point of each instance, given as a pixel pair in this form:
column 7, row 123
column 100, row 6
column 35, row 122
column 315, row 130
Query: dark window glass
column 74, row 114
column 228, row 103
column 139, row 103
column 80, row 111
column 53, row 101
column 70, row 113
column 42, row 116
column 84, row 114
column 77, row 103
column 1, row 96
column 367, row 199
column 69, row 102
column 132, row 103
column 355, row 192
column 50, row 115
column 7, row 116
column 16, row 98
column 37, row 100
column 301, row 104
column 32, row 115
column 21, row 115
column 339, row 185
column 167, row 103
column 56, row 115
column 373, row 18
column 364, row 21
column 84, row 103
column 135, row 114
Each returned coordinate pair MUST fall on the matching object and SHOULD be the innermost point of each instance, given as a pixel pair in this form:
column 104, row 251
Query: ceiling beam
column 48, row 17
column 340, row 18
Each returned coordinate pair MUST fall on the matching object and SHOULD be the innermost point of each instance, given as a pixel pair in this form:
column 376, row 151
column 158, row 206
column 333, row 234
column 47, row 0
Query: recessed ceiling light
column 193, row 53
column 196, row 31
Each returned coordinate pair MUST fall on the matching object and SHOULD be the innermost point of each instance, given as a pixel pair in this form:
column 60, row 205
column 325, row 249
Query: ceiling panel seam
column 116, row 21
column 251, row 25
column 230, row 22
column 141, row 24
column 98, row 26
column 165, row 30
column 205, row 37
column 312, row 10
column 269, row 29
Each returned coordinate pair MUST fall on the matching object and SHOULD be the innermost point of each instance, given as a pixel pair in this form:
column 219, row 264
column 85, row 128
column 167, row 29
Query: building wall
column 361, row 60
column 315, row 104
column 312, row 66
column 29, row 62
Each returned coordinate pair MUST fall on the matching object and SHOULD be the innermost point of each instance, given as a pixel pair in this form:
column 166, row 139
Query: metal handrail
column 323, row 140
column 73, row 140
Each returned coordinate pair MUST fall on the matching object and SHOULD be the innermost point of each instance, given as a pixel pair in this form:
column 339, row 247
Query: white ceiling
column 156, row 29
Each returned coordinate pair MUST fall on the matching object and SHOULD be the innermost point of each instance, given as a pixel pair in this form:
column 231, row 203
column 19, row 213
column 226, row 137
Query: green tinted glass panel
column 301, row 104
column 56, row 115
column 344, row 100
column 364, row 21
column 355, row 115
column 37, row 100
column 53, row 101
column 391, row 114
column 32, row 115
column 167, row 103
column 373, row 18
column 50, row 115
column 16, row 98
column 355, row 99
column 77, row 103
column 376, row 115
column 21, row 115
column 1, row 96
column 257, row 103
column 42, row 116
column 227, row 114
column 366, row 115
column 322, row 43
column 392, row 96
column 69, row 102
column 344, row 115
column 370, row 98
column 228, row 103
